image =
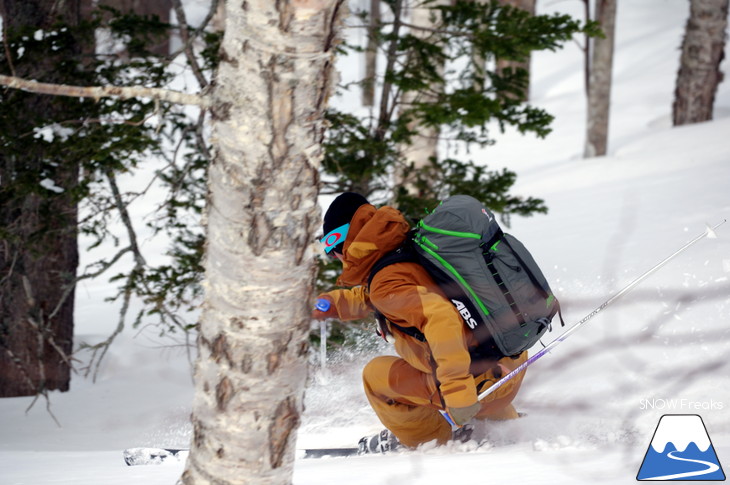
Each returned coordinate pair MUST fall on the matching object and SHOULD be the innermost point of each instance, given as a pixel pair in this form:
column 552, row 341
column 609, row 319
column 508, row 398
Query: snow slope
column 592, row 405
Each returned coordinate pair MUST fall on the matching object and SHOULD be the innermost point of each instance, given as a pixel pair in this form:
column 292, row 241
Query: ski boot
column 463, row 434
column 382, row 442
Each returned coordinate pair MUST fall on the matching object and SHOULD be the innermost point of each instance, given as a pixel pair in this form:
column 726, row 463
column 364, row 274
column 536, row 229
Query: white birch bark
column 599, row 89
column 371, row 55
column 703, row 49
column 268, row 98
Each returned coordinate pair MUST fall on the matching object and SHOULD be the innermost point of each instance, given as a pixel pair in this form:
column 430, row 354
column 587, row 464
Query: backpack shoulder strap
column 404, row 254
column 411, row 331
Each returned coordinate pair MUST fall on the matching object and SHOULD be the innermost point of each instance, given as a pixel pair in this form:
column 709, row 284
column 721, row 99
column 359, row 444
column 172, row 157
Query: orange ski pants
column 407, row 400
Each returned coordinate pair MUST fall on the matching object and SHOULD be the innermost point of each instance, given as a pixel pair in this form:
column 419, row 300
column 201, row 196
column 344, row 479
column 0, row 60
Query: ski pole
column 322, row 305
column 709, row 232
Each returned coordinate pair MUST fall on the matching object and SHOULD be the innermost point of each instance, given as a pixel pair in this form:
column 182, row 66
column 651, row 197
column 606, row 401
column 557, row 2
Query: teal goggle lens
column 335, row 237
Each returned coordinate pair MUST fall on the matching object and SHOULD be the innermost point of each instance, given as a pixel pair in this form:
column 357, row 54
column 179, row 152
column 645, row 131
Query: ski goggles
column 334, row 238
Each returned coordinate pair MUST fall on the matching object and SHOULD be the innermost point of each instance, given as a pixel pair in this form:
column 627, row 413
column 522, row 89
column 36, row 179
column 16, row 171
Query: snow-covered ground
column 592, row 406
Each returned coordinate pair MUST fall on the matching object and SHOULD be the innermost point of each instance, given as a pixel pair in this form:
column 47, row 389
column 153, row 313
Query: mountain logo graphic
column 681, row 450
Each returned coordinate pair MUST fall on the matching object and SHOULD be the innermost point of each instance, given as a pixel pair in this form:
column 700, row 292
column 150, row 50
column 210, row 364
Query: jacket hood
column 373, row 233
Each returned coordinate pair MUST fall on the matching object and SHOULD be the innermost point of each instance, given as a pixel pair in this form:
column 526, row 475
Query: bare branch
column 7, row 49
column 47, row 336
column 105, row 266
column 44, row 393
column 200, row 140
column 100, row 349
column 140, row 262
column 188, row 43
column 199, row 29
column 96, row 92
column 424, row 28
column 18, row 364
column 112, row 120
column 138, row 258
column 104, row 346
column 10, row 270
column 211, row 13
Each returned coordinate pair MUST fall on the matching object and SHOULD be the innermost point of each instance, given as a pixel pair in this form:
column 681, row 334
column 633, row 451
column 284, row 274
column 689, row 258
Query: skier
column 434, row 370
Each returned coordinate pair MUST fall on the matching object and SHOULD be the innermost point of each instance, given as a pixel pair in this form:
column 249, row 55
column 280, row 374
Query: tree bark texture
column 599, row 92
column 269, row 95
column 699, row 71
column 38, row 248
column 371, row 55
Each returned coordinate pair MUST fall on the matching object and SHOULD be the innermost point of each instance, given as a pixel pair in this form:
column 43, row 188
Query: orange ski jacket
column 408, row 297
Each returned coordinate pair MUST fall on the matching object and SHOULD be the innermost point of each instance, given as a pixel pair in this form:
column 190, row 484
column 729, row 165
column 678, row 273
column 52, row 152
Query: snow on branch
column 123, row 92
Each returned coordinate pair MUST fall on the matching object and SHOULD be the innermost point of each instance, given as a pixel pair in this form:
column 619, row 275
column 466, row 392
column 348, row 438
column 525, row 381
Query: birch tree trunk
column 269, row 95
column 423, row 145
column 371, row 55
column 599, row 89
column 702, row 52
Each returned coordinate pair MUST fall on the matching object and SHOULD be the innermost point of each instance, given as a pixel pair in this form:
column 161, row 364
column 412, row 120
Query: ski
column 330, row 452
column 383, row 442
column 158, row 456
column 153, row 456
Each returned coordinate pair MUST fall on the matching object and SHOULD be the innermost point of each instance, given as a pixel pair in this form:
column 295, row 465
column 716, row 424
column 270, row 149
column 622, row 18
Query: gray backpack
column 488, row 275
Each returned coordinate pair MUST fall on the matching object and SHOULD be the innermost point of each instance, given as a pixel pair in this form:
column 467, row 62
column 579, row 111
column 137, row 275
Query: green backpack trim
column 457, row 275
column 489, row 276
column 446, row 232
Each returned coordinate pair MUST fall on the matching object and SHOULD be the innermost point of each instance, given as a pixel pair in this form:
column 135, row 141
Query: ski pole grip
column 322, row 305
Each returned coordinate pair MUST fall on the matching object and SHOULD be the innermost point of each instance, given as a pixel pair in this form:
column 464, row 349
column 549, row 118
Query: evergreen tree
column 39, row 193
column 436, row 83
column 431, row 81
column 361, row 153
column 62, row 157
